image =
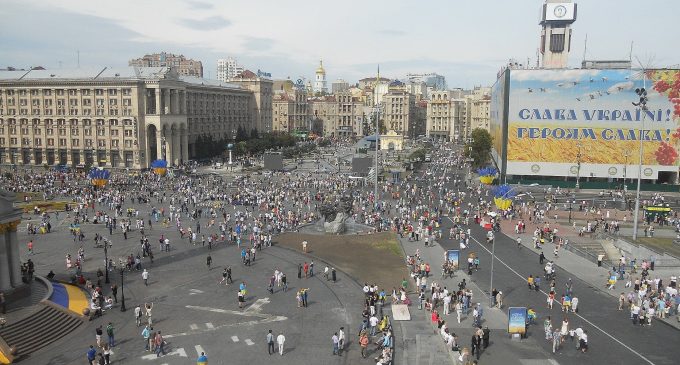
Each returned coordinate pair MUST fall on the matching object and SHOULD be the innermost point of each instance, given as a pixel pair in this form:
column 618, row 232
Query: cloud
column 215, row 22
column 200, row 5
column 257, row 44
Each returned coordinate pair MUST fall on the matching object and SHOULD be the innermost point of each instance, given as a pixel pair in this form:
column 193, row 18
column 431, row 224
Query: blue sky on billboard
column 466, row 41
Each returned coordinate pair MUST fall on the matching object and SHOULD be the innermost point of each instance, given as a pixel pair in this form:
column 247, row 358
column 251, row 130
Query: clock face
column 560, row 11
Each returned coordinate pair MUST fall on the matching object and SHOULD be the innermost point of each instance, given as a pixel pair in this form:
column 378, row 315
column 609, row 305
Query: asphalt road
column 612, row 337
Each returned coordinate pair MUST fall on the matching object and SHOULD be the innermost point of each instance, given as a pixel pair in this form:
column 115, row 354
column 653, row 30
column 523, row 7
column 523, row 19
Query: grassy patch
column 389, row 243
column 660, row 244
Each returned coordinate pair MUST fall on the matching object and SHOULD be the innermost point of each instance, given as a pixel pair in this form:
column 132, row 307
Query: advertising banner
column 517, row 319
column 453, row 256
column 568, row 122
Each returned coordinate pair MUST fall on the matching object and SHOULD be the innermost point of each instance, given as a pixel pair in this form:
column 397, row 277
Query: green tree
column 479, row 149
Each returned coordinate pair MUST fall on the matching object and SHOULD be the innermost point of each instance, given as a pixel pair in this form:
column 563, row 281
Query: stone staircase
column 46, row 325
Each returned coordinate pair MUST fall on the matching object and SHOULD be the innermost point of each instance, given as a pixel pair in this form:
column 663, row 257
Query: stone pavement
column 571, row 262
column 422, row 342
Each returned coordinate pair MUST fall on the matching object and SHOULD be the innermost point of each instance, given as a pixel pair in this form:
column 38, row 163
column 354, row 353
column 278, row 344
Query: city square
column 212, row 194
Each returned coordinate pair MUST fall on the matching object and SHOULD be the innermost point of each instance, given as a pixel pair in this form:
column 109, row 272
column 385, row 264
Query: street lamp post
column 642, row 93
column 493, row 256
column 122, row 289
column 578, row 165
column 163, row 142
column 233, row 138
column 106, row 262
column 377, row 141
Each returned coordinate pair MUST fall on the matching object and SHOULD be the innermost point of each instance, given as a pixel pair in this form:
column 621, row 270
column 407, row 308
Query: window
column 50, row 142
column 101, row 132
column 113, row 101
column 114, row 133
column 112, row 91
column 23, row 102
column 99, row 92
column 114, row 143
column 101, row 143
column 35, row 111
column 47, row 92
column 72, row 92
column 113, row 111
column 85, row 92
column 128, row 133
column 60, row 92
column 87, row 102
column 127, row 91
column 127, row 102
column 60, row 103
column 62, row 142
column 87, row 111
column 73, row 102
column 99, row 102
column 25, row 141
column 88, row 143
column 75, row 142
column 2, row 141
column 22, row 92
column 75, row 131
column 73, row 112
column 12, row 141
column 88, row 132
column 62, row 131
column 38, row 142
column 50, row 131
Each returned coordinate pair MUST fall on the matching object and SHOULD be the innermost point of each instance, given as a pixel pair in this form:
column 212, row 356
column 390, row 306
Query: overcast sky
column 467, row 41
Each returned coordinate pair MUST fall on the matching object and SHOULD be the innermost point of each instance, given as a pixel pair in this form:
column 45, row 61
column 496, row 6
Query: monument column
column 14, row 261
column 10, row 266
column 5, row 282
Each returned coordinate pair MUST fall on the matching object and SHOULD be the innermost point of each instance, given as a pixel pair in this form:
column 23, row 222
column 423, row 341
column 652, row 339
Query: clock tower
column 556, row 19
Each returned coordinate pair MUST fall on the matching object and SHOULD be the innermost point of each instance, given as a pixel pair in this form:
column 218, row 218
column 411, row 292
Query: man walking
column 208, row 261
column 270, row 343
column 336, row 342
column 109, row 334
column 160, row 344
column 341, row 340
column 363, row 342
column 138, row 315
column 280, row 340
column 145, row 276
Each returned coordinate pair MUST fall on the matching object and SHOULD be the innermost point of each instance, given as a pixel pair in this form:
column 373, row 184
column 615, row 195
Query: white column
column 170, row 149
column 5, row 278
column 185, row 145
column 177, row 147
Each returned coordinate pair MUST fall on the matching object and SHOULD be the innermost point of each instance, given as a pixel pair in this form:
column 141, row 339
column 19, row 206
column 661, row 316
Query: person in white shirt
column 373, row 321
column 447, row 304
column 280, row 339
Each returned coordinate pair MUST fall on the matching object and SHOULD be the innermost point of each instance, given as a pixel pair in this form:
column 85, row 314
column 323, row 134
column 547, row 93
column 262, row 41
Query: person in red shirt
column 30, row 247
column 306, row 269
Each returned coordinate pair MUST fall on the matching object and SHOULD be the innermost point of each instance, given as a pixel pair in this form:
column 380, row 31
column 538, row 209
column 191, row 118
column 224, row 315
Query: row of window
column 61, row 142
column 113, row 110
column 71, row 92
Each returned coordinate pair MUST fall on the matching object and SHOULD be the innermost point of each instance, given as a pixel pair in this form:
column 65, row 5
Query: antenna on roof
column 585, row 47
column 78, row 58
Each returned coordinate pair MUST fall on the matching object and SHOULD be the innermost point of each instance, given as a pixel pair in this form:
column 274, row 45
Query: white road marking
column 249, row 342
column 193, row 326
column 234, row 338
column 199, row 349
column 195, row 291
column 576, row 314
column 257, row 306
column 262, row 318
column 179, row 352
column 210, row 325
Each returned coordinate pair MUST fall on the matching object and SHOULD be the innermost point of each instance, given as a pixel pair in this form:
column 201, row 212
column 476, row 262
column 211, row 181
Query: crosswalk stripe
column 193, row 326
column 234, row 338
column 199, row 349
column 209, row 325
column 249, row 342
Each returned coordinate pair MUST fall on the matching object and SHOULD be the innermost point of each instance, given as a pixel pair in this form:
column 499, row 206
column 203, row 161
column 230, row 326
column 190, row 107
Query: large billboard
column 569, row 122
column 498, row 116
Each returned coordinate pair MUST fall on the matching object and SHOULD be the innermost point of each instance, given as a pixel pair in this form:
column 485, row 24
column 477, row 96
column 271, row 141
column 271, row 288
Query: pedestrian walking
column 336, row 345
column 109, row 334
column 138, row 315
column 280, row 340
column 363, row 342
column 202, row 359
column 208, row 261
column 270, row 343
column 114, row 291
column 160, row 344
column 145, row 276
column 341, row 340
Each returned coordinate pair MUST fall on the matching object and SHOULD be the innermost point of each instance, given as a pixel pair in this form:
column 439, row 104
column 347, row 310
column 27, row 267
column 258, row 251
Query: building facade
column 228, row 68
column 339, row 85
column 290, row 111
column 478, row 107
column 398, row 112
column 116, row 118
column 261, row 103
column 446, row 116
column 183, row 65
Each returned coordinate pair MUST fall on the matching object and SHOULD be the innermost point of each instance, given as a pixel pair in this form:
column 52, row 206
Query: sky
column 466, row 41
